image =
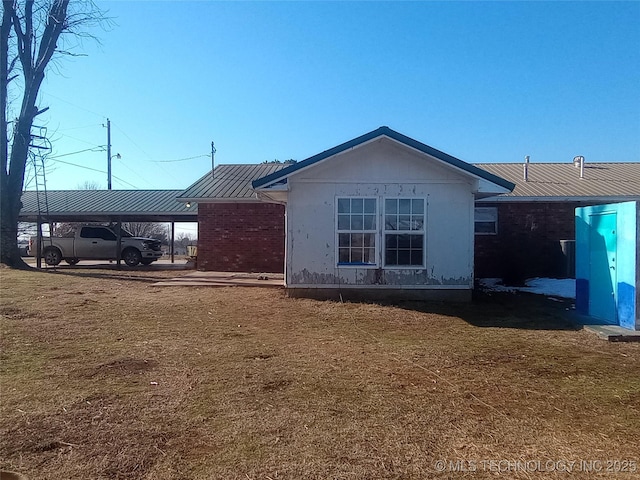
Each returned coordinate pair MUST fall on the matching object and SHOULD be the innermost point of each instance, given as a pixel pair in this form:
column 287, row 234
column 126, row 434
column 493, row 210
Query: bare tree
column 89, row 185
column 30, row 34
column 147, row 229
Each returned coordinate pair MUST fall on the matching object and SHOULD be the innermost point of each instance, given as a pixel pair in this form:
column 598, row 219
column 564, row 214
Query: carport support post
column 173, row 232
column 119, row 243
column 39, row 243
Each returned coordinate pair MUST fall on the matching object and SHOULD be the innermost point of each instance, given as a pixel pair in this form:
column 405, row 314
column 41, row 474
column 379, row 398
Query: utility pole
column 213, row 153
column 108, row 154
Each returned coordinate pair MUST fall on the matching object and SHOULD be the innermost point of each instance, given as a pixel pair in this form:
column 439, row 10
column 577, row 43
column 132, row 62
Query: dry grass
column 106, row 377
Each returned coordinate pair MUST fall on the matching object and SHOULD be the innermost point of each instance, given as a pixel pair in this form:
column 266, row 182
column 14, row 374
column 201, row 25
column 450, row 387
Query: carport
column 113, row 206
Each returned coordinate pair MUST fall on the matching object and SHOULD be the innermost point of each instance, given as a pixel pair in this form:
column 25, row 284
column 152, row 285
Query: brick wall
column 241, row 237
column 250, row 237
column 528, row 241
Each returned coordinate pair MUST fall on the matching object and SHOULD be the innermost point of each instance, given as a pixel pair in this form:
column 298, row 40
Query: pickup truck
column 95, row 242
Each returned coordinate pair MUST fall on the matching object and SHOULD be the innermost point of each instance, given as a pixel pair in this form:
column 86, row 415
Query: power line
column 78, row 128
column 139, row 147
column 123, row 164
column 74, row 105
column 93, row 170
column 75, row 153
column 181, row 159
column 76, row 165
column 79, row 139
column 126, row 183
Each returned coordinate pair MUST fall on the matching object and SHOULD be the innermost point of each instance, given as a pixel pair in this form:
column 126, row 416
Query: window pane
column 404, row 222
column 343, row 255
column 370, row 205
column 392, row 241
column 369, row 240
column 404, row 241
column 343, row 205
column 404, row 258
column 485, row 227
column 343, row 239
column 417, row 205
column 357, row 240
column 344, row 222
column 356, row 222
column 416, row 241
column 369, row 255
column 357, row 205
column 356, row 255
column 390, row 205
column 391, row 222
column 416, row 257
column 417, row 222
column 369, row 222
column 405, row 205
column 391, row 257
column 486, row 214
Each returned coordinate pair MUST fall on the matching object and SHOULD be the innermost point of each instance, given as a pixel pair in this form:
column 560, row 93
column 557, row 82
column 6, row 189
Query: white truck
column 95, row 242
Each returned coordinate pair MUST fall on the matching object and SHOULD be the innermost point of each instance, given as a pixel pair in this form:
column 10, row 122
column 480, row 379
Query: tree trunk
column 34, row 59
column 9, row 253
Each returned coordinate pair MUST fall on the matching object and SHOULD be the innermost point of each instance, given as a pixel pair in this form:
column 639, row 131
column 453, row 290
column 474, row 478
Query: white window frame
column 493, row 211
column 375, row 232
column 385, row 232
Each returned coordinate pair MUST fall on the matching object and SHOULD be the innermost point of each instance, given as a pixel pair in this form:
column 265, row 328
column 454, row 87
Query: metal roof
column 99, row 205
column 562, row 180
column 387, row 132
column 229, row 182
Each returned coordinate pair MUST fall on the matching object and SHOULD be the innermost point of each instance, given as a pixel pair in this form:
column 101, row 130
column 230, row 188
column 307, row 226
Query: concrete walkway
column 224, row 279
column 614, row 333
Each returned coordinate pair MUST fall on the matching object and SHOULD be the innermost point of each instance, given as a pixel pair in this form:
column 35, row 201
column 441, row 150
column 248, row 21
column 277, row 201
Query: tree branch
column 56, row 23
column 24, row 48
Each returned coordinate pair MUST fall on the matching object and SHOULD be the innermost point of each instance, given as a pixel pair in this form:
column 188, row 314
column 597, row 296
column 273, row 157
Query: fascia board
column 505, row 199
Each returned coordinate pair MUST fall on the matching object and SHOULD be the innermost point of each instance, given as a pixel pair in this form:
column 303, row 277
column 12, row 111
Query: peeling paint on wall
column 305, row 277
column 378, row 276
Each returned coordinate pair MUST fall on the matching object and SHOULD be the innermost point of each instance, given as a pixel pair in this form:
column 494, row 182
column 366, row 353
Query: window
column 357, row 231
column 404, row 232
column 97, row 232
column 486, row 220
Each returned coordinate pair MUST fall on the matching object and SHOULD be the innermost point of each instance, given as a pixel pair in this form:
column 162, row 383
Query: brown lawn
column 104, row 376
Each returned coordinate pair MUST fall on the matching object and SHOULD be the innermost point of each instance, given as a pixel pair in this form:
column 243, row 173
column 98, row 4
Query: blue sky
column 485, row 82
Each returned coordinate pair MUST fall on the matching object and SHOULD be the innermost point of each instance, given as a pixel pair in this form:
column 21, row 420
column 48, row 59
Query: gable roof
column 614, row 181
column 229, row 182
column 281, row 175
column 87, row 205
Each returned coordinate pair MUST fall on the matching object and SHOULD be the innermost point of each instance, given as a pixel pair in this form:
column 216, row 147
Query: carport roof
column 109, row 205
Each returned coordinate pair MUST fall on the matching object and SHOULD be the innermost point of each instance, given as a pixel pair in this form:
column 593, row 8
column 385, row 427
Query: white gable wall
column 380, row 169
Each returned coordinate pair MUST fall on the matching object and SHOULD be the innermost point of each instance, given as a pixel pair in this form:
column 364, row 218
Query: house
column 530, row 231
column 382, row 214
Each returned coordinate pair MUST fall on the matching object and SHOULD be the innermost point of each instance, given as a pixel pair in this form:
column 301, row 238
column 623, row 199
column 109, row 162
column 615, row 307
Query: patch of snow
column 565, row 287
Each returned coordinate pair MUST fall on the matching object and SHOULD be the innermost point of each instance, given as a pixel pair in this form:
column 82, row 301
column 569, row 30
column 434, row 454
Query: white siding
column 381, row 169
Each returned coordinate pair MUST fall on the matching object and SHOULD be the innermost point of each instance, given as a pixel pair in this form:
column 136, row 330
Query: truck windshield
column 125, row 233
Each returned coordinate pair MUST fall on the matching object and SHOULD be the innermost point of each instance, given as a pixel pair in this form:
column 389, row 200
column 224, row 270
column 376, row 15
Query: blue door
column 602, row 267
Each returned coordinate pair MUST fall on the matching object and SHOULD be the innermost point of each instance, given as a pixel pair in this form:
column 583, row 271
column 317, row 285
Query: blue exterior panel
column 627, row 305
column 594, row 229
column 582, row 296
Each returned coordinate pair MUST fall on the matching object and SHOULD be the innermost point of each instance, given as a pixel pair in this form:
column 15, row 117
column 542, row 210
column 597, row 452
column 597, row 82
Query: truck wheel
column 52, row 256
column 147, row 261
column 131, row 257
column 72, row 261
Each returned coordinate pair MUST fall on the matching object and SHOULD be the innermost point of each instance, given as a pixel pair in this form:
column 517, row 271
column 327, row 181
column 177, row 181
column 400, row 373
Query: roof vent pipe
column 578, row 162
column 526, row 168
